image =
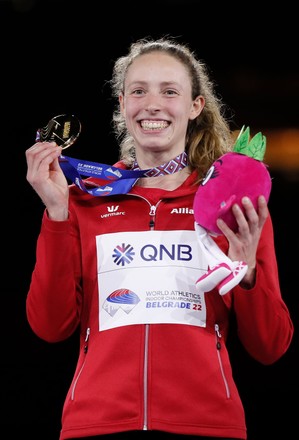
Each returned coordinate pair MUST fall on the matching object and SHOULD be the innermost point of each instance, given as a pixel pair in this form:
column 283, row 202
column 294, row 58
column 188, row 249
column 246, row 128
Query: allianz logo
column 112, row 211
column 182, row 211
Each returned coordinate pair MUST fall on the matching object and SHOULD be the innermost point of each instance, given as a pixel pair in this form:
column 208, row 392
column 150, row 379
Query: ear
column 121, row 103
column 197, row 106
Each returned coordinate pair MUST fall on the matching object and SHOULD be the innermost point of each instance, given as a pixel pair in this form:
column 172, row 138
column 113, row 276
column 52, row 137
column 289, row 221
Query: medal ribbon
column 118, row 181
column 64, row 130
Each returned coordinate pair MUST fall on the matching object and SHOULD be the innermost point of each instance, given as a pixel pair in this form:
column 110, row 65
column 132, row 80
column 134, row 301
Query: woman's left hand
column 243, row 244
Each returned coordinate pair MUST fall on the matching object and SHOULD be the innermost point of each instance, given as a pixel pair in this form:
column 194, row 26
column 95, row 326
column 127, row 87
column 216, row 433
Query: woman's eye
column 137, row 92
column 170, row 92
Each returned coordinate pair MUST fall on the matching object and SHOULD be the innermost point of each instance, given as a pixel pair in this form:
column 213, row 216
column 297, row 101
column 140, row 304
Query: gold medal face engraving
column 62, row 129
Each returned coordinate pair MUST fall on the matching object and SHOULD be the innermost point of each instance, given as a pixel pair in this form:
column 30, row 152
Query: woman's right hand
column 47, row 178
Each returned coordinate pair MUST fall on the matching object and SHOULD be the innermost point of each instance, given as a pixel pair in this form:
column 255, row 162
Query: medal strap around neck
column 171, row 167
column 118, row 181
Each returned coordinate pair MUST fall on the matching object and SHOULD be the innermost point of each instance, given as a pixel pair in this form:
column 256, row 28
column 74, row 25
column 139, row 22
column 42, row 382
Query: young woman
column 123, row 267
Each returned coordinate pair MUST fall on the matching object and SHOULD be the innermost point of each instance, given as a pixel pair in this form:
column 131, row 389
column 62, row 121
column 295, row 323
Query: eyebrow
column 163, row 83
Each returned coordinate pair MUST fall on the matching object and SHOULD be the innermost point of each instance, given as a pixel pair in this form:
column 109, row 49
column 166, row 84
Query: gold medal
column 62, row 129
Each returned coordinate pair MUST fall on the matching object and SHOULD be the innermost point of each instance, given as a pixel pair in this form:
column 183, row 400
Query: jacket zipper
column 218, row 348
column 152, row 215
column 85, row 349
column 145, row 373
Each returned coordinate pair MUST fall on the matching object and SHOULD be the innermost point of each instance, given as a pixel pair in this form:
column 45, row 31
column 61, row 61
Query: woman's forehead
column 165, row 66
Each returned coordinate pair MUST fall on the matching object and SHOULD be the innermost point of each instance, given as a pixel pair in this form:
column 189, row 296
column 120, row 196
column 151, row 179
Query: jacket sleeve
column 264, row 324
column 54, row 299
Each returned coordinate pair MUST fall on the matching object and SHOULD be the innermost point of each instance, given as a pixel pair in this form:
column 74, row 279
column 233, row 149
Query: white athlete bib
column 149, row 277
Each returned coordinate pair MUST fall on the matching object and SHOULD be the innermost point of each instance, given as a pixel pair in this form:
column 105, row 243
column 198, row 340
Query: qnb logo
column 173, row 252
column 124, row 254
column 182, row 211
column 123, row 299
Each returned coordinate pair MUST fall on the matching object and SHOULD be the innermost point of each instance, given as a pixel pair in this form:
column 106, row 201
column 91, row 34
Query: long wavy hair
column 208, row 136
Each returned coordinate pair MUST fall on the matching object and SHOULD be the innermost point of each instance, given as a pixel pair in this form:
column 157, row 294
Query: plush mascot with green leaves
column 234, row 175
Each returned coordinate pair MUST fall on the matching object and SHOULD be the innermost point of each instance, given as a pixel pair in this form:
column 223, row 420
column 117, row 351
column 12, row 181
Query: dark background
column 56, row 57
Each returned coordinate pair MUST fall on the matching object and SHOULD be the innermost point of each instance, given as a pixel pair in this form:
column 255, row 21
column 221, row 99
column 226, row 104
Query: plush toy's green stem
column 254, row 147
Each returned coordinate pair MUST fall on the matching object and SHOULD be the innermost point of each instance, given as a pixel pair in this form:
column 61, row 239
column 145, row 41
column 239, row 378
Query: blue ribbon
column 118, row 181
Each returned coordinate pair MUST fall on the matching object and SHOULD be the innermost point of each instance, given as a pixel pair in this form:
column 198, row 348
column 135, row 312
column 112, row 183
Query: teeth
column 154, row 125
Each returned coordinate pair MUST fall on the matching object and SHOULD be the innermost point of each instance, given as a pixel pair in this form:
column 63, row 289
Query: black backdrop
column 55, row 58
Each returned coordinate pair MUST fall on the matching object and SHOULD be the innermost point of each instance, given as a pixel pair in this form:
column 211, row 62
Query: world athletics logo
column 123, row 299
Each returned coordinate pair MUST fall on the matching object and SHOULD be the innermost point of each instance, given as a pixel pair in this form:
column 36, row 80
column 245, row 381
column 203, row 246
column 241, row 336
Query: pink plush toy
column 234, row 175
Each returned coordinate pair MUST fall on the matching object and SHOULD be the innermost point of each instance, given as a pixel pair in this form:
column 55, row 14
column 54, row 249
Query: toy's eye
column 208, row 176
column 211, row 173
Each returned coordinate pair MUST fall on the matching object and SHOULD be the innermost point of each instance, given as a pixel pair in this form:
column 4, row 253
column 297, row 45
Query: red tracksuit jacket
column 159, row 376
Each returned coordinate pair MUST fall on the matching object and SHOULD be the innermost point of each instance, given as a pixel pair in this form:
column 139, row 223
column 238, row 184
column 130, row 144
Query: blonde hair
column 208, row 136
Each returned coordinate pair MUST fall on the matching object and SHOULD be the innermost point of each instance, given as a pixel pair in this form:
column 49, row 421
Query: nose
column 152, row 103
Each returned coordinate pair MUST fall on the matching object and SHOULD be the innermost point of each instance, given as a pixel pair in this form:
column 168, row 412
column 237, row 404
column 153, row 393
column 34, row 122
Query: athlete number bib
column 149, row 278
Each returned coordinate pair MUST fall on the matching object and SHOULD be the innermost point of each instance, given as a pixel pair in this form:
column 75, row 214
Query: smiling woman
column 138, row 356
column 56, row 56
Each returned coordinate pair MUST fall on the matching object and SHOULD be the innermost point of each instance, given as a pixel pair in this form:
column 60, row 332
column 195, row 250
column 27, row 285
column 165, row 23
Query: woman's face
column 157, row 103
